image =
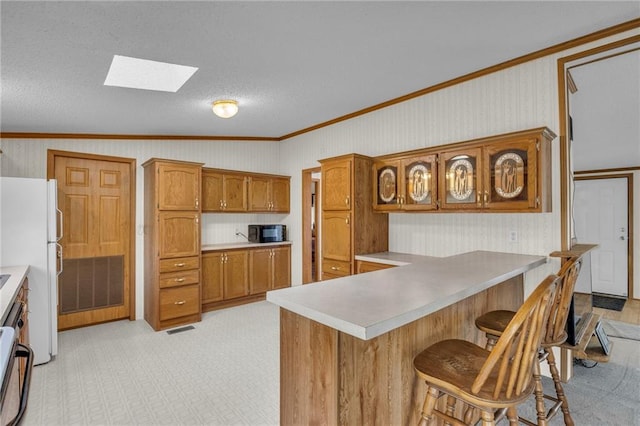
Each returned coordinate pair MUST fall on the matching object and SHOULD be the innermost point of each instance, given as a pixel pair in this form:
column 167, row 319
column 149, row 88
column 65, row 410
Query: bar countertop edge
column 371, row 304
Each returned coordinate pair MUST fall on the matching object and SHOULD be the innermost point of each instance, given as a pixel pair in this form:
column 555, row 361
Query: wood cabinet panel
column 235, row 193
column 336, row 236
column 178, row 187
column 236, row 274
column 212, row 277
column 180, row 234
column 281, row 267
column 336, row 185
column 260, row 266
column 280, row 197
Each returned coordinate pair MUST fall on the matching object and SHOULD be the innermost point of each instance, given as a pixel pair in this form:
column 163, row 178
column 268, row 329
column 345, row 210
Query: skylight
column 144, row 74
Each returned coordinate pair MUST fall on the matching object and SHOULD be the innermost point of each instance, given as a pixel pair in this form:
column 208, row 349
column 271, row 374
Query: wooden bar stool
column 494, row 323
column 486, row 380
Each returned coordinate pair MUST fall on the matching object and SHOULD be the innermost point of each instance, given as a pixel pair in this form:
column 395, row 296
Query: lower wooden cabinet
column 362, row 266
column 224, row 275
column 270, row 269
column 233, row 277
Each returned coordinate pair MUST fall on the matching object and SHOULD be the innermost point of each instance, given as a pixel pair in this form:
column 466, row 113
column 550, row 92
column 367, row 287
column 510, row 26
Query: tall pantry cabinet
column 172, row 243
column 349, row 224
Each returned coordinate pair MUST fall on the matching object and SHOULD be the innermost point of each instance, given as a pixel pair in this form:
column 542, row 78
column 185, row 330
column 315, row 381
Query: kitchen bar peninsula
column 347, row 345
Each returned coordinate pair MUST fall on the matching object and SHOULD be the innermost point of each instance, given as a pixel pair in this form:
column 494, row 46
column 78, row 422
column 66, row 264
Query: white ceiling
column 290, row 65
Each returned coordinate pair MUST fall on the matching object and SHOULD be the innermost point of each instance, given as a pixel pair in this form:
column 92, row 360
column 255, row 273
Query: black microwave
column 267, row 233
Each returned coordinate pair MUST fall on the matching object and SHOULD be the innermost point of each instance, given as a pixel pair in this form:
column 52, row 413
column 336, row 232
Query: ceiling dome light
column 225, row 108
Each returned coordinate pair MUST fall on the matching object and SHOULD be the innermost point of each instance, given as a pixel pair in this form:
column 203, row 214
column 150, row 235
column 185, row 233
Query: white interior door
column 600, row 210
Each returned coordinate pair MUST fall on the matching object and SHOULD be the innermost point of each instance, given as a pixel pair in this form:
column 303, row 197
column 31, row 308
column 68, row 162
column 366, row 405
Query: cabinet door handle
column 179, row 280
column 179, row 265
column 486, row 197
column 221, row 204
column 335, row 268
column 347, row 200
column 197, row 219
column 197, row 203
column 346, row 220
column 180, row 302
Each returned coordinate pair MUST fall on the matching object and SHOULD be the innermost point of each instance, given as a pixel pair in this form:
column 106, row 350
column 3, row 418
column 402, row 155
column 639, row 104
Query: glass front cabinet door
column 460, row 180
column 406, row 184
column 386, row 197
column 510, row 176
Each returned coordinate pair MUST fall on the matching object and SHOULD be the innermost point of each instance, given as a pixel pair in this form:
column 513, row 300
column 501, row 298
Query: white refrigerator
column 30, row 231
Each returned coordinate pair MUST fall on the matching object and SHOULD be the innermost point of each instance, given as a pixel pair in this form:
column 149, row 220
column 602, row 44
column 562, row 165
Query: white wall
column 515, row 99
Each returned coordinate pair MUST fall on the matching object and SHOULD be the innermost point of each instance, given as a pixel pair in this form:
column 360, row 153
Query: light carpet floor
column 226, row 372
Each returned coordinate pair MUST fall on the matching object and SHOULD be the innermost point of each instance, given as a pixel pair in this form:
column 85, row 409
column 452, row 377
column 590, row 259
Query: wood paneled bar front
column 347, row 345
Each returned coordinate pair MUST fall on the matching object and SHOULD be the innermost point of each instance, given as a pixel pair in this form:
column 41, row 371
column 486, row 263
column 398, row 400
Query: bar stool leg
column 427, row 408
column 539, row 394
column 487, row 418
column 512, row 415
column 551, row 360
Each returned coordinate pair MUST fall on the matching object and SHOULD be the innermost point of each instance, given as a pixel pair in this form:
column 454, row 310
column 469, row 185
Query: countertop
column 368, row 305
column 237, row 246
column 10, row 289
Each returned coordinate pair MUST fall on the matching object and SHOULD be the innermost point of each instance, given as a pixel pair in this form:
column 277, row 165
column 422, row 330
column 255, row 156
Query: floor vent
column 181, row 329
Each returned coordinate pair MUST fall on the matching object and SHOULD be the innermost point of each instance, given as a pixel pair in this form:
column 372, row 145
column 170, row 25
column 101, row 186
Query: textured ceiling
column 290, row 65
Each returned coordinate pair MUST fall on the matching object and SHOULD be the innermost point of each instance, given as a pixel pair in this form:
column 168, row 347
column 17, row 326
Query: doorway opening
column 310, row 224
column 610, row 145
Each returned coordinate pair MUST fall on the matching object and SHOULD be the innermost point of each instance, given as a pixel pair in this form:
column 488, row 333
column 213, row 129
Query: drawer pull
column 179, row 265
column 335, row 268
column 179, row 280
column 180, row 302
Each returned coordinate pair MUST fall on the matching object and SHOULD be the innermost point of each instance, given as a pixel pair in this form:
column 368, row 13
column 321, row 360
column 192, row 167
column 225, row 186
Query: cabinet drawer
column 336, row 267
column 179, row 264
column 174, row 279
column 179, row 301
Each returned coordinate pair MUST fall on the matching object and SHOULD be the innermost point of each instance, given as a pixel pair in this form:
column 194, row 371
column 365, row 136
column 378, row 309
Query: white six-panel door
column 601, row 216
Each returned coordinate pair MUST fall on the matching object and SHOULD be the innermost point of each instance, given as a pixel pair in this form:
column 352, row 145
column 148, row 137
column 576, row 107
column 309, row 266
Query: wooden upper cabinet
column 223, row 192
column 179, row 234
column 503, row 173
column 230, row 191
column 461, row 179
column 405, row 183
column 269, row 194
column 280, row 198
column 336, row 184
column 178, row 186
column 510, row 178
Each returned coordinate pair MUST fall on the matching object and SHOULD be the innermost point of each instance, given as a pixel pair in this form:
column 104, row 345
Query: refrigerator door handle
column 60, row 224
column 59, row 259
